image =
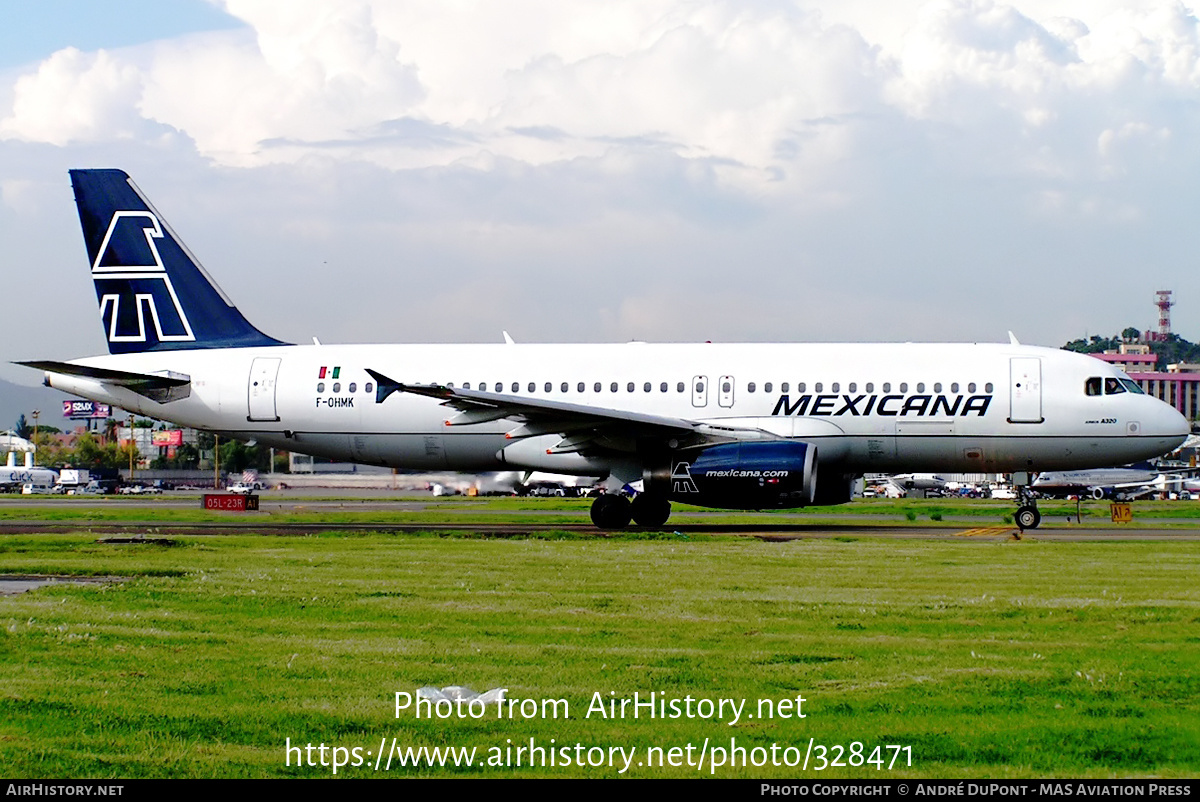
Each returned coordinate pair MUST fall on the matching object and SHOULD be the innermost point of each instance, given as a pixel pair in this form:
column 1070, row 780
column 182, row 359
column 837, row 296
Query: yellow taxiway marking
column 983, row 531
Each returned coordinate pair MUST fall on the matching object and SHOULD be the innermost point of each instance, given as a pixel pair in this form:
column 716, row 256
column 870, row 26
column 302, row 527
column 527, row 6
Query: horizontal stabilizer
column 161, row 387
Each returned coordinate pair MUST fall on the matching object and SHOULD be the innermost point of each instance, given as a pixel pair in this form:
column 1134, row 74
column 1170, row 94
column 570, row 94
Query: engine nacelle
column 747, row 475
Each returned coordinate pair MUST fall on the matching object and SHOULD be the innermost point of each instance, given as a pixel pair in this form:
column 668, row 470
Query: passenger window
column 987, row 388
column 887, row 387
column 516, row 387
column 596, row 387
column 549, row 387
column 800, row 387
column 564, row 387
column 870, row 387
column 499, row 387
column 818, row 387
column 1111, row 386
column 662, row 388
column 466, row 386
column 580, row 387
column 954, row 387
column 629, row 387
column 854, row 387
column 679, row 388
column 904, row 387
column 612, row 388
column 646, row 387
column 750, row 387
column 368, row 387
column 320, row 387
column 937, row 387
column 532, row 387
column 835, row 387
column 354, row 387
column 337, row 386
column 920, row 387
column 783, row 388
column 971, row 387
column 767, row 387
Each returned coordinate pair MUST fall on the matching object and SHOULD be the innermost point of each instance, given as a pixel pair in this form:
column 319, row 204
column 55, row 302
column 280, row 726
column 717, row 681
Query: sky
column 816, row 170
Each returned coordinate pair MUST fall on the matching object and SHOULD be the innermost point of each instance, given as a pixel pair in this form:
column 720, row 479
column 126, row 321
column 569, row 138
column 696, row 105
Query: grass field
column 1010, row 659
column 175, row 509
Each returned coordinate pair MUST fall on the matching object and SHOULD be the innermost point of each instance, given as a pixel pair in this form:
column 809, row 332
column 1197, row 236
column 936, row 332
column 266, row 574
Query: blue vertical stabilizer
column 152, row 292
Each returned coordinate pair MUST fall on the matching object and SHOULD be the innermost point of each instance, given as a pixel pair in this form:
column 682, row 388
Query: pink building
column 1179, row 386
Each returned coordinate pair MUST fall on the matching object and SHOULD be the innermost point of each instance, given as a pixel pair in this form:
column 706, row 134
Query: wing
column 161, row 387
column 583, row 427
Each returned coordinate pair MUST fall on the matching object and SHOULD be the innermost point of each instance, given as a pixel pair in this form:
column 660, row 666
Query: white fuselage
column 867, row 407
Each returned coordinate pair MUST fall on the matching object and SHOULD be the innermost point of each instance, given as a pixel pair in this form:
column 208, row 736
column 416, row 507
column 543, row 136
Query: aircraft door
column 1025, row 390
column 699, row 391
column 725, row 391
column 261, row 391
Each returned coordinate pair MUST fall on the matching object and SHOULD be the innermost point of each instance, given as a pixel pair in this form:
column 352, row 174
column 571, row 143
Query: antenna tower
column 1164, row 304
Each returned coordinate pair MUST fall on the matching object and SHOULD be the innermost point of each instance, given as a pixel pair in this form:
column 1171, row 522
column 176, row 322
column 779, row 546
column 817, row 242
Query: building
column 1179, row 385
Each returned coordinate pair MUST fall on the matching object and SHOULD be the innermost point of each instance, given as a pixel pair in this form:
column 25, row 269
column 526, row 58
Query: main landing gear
column 612, row 511
column 1027, row 516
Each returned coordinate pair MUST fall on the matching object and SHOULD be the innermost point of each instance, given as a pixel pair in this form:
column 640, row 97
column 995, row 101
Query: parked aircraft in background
column 925, row 482
column 740, row 426
column 1123, row 483
column 14, row 477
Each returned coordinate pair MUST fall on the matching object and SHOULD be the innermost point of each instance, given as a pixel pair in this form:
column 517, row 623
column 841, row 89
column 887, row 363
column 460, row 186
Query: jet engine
column 746, row 475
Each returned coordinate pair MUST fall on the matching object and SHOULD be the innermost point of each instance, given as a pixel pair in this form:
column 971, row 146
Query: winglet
column 1012, row 339
column 384, row 386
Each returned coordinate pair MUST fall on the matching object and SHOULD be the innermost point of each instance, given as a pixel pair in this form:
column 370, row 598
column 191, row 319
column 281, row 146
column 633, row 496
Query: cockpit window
column 1113, row 386
column 1092, row 385
column 1132, row 386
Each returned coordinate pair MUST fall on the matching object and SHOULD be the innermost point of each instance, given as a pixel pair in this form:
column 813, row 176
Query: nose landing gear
column 1027, row 516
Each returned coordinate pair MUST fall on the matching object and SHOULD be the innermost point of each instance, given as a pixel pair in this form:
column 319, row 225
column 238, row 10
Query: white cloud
column 636, row 168
column 75, row 97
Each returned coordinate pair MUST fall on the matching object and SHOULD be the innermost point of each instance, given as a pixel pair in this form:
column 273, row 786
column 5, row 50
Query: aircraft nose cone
column 1171, row 423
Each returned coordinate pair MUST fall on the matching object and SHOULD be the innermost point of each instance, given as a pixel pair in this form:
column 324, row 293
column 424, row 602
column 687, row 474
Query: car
column 245, row 488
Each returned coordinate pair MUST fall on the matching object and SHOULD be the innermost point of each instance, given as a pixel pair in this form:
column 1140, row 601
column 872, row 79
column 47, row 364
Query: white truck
column 72, row 480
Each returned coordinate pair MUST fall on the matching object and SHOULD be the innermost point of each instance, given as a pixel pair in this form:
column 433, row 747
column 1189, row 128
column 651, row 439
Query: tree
column 237, row 457
column 1131, row 334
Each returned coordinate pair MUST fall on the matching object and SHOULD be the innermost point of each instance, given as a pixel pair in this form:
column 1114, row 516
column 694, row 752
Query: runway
column 457, row 516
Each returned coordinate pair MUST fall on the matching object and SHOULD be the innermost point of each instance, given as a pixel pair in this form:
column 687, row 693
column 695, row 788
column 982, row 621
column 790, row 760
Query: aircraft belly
column 394, row 450
column 474, row 451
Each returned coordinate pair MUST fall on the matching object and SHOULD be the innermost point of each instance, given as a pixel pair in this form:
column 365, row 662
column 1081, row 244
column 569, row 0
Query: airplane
column 13, row 477
column 924, row 482
column 734, row 426
column 1122, row 483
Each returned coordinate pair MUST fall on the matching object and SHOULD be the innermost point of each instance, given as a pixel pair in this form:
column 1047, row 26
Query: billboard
column 167, row 437
column 77, row 410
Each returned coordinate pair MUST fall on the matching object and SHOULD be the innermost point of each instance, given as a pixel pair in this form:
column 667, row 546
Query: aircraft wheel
column 611, row 511
column 650, row 511
column 1028, row 518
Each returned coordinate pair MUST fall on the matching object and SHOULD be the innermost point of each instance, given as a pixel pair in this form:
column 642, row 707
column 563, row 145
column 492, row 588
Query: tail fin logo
column 133, row 286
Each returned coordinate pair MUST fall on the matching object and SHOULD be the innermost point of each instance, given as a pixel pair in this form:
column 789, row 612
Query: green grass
column 1012, row 659
column 922, row 512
